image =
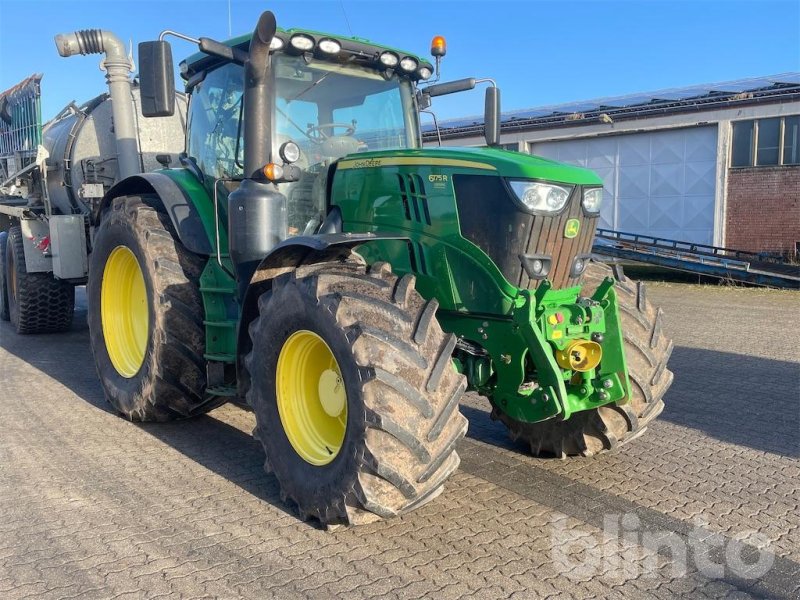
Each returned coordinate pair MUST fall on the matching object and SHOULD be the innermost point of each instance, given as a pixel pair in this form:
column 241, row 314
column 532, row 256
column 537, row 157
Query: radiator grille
column 491, row 220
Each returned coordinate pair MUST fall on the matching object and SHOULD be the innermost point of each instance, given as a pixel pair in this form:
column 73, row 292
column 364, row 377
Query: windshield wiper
column 321, row 79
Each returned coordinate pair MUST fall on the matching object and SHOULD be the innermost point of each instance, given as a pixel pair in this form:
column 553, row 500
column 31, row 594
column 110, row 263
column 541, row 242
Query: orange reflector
column 438, row 46
column 273, row 171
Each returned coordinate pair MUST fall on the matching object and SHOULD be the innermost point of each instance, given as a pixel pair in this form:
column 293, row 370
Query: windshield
column 331, row 110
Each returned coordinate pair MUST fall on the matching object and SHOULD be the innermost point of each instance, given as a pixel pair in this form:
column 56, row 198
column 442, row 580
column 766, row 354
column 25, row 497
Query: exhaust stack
column 256, row 209
column 117, row 65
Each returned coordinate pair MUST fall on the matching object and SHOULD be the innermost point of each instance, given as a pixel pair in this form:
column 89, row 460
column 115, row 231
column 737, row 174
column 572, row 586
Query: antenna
column 346, row 20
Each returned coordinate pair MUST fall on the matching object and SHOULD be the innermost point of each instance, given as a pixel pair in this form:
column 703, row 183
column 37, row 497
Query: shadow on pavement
column 736, row 399
column 742, row 400
column 218, row 446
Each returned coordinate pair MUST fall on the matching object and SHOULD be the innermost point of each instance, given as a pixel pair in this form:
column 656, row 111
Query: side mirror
column 156, row 79
column 491, row 116
column 451, row 87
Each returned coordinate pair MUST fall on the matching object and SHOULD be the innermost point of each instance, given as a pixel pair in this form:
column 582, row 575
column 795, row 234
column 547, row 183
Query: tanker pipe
column 117, row 65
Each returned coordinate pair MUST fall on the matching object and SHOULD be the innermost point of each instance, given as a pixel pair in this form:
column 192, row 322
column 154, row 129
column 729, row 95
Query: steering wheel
column 316, row 133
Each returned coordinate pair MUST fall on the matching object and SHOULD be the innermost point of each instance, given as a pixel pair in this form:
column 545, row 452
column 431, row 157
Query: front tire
column 146, row 314
column 647, row 351
column 372, row 333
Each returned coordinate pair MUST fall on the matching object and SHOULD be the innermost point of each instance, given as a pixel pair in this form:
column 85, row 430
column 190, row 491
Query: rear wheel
column 355, row 398
column 4, row 313
column 37, row 302
column 647, row 351
column 146, row 314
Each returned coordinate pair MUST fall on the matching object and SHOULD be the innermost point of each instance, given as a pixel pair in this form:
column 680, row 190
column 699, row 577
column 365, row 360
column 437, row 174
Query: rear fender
column 179, row 204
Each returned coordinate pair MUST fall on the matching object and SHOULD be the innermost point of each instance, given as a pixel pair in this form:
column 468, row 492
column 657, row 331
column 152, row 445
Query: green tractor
column 311, row 257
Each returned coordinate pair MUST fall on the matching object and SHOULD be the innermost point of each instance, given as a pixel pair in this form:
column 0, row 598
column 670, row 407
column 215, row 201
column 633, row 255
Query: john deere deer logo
column 572, row 228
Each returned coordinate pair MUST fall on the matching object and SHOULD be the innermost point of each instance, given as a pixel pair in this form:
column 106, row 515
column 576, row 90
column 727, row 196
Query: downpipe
column 117, row 66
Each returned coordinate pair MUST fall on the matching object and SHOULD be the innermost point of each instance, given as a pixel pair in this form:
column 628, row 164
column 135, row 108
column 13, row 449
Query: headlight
column 389, row 59
column 542, row 197
column 290, row 152
column 592, row 199
column 408, row 64
column 329, row 46
column 301, row 42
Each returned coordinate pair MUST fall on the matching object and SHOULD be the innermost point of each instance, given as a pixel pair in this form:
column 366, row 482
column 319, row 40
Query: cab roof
column 362, row 49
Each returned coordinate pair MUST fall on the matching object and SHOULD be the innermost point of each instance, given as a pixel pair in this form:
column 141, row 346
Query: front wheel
column 647, row 351
column 355, row 398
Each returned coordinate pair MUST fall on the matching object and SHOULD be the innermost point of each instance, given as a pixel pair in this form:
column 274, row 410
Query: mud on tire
column 647, row 350
column 403, row 421
column 171, row 381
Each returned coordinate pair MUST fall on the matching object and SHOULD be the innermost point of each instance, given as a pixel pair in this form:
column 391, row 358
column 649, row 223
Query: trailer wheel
column 5, row 315
column 355, row 398
column 647, row 350
column 146, row 314
column 37, row 302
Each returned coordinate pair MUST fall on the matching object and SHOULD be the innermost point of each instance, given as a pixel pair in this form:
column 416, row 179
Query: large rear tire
column 647, row 351
column 355, row 398
column 146, row 314
column 37, row 302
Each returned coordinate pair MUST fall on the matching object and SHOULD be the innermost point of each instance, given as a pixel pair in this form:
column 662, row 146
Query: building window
column 766, row 142
column 791, row 141
column 743, row 135
column 514, row 146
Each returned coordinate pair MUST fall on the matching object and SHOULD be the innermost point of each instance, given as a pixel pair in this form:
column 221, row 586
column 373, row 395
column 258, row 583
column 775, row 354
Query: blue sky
column 539, row 52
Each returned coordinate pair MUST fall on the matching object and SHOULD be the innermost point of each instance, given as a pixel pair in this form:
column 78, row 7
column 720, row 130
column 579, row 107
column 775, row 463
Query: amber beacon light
column 438, row 46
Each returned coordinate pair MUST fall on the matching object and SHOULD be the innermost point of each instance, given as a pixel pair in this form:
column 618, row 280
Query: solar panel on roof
column 671, row 95
column 787, row 78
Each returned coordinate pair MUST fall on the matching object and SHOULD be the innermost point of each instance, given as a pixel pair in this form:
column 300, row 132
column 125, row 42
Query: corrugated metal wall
column 659, row 183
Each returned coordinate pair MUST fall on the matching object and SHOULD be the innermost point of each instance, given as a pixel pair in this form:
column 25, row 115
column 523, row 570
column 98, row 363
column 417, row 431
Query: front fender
column 285, row 257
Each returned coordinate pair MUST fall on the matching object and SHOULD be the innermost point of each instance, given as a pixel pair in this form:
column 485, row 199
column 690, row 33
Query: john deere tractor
column 309, row 256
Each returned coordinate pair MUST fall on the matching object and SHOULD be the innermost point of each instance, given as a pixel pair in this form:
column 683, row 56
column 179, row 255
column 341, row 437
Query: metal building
column 701, row 164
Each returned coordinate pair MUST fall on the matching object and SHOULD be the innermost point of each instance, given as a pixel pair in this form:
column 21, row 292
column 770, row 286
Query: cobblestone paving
column 92, row 506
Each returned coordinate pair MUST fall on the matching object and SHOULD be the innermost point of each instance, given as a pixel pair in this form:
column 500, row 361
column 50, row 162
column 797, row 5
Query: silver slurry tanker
column 53, row 188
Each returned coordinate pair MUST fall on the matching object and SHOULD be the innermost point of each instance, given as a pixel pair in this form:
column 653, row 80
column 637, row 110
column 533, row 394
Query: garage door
column 659, row 183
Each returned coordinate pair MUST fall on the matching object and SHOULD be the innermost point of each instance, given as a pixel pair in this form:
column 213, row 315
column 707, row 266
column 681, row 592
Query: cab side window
column 214, row 115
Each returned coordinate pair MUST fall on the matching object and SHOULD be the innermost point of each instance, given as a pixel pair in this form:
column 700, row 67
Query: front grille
column 491, row 220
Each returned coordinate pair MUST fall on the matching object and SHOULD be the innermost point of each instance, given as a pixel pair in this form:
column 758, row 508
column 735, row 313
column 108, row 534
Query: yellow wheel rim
column 312, row 400
column 124, row 311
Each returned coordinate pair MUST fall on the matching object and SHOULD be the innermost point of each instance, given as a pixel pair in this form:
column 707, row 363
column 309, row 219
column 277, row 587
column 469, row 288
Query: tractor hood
column 505, row 163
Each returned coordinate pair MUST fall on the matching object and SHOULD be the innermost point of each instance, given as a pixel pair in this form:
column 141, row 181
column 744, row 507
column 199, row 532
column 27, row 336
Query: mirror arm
column 435, row 124
column 209, row 46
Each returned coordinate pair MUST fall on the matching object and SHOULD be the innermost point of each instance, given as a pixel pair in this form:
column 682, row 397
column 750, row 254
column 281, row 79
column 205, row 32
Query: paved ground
column 706, row 503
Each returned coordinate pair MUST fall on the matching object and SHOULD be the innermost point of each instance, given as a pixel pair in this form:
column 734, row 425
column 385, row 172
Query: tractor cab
column 328, row 97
